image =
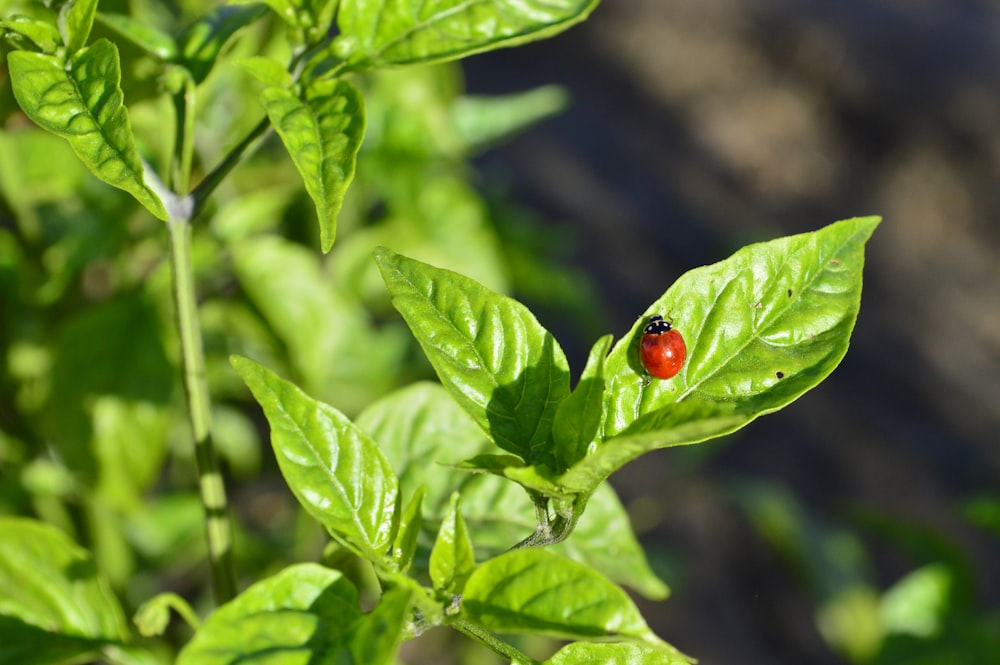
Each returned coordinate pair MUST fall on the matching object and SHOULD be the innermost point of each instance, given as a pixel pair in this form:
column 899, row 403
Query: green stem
column 493, row 643
column 233, row 157
column 218, row 527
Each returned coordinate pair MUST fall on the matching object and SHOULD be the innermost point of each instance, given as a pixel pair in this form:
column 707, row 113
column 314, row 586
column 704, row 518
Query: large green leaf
column 54, row 605
column 81, row 101
column 533, row 590
column 489, row 351
column 395, row 32
column 334, row 469
column 297, row 616
column 322, row 132
column 762, row 327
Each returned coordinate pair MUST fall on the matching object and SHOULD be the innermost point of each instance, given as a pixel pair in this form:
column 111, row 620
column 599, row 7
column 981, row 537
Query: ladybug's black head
column 656, row 326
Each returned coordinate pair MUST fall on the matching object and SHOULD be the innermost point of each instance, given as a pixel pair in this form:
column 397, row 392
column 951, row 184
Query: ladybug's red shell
column 662, row 350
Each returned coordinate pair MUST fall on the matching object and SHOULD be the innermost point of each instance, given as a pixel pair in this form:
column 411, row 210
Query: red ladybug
column 662, row 351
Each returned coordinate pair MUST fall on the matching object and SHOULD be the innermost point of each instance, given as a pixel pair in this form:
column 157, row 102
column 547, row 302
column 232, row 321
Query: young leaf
column 83, row 104
column 336, row 472
column 489, row 351
column 55, row 606
column 762, row 327
column 384, row 33
column 452, row 559
column 322, row 133
column 76, row 18
column 311, row 18
column 299, row 615
column 202, row 41
column 410, row 522
column 579, row 415
column 43, row 35
column 533, row 590
column 616, row 653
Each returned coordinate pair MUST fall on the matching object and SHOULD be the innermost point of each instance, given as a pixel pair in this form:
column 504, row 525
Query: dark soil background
column 697, row 126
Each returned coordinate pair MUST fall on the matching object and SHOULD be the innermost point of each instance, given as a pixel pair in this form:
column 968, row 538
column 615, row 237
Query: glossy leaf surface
column 322, row 133
column 762, row 327
column 533, row 590
column 83, row 103
column 335, row 470
column 397, row 32
column 302, row 614
column 489, row 351
column 619, row 653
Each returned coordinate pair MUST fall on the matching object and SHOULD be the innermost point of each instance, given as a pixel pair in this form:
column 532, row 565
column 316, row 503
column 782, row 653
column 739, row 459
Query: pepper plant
column 478, row 503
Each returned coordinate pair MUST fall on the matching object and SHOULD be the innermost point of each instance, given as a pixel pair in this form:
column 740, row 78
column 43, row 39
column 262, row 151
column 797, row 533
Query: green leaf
column 533, row 590
column 421, row 430
column 202, row 41
column 410, row 523
column 484, row 120
column 55, row 606
column 333, row 347
column 762, row 327
column 297, row 616
column 376, row 636
column 489, row 351
column 334, row 469
column 267, row 70
column 617, row 653
column 918, row 604
column 452, row 559
column 147, row 37
column 311, row 18
column 388, row 32
column 83, row 104
column 322, row 133
column 42, row 34
column 691, row 421
column 579, row 415
column 76, row 18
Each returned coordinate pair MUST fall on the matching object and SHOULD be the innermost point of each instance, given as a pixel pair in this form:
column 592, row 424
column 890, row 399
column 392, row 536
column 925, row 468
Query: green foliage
column 477, row 503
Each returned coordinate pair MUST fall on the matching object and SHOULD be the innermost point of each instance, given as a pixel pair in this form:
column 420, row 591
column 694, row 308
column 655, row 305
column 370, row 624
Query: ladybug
column 662, row 350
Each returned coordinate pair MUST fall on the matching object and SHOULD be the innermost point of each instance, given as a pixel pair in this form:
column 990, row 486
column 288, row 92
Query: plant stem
column 493, row 643
column 233, row 157
column 218, row 526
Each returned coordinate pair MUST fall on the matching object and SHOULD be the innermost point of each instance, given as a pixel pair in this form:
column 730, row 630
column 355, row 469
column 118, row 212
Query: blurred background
column 859, row 525
column 696, row 127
